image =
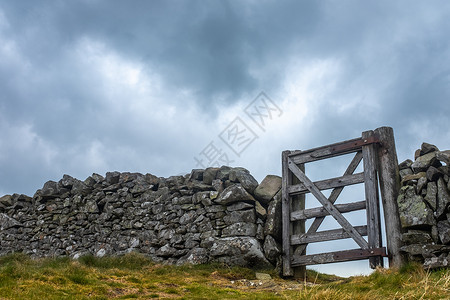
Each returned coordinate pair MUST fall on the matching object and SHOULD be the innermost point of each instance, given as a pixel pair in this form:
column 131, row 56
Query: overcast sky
column 160, row 86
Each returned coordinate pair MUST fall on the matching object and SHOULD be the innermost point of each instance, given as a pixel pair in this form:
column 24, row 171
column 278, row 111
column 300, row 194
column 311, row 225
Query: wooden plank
column 328, row 151
column 389, row 187
column 338, row 256
column 373, row 209
column 328, row 183
column 327, row 235
column 298, row 227
column 328, row 205
column 322, row 212
column 335, row 194
column 285, row 213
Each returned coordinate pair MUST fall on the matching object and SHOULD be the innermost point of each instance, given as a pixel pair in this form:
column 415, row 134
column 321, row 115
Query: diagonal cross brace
column 333, row 197
column 328, row 205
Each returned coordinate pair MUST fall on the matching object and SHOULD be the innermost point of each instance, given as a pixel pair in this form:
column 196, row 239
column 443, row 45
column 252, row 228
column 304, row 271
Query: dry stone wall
column 212, row 215
column 423, row 202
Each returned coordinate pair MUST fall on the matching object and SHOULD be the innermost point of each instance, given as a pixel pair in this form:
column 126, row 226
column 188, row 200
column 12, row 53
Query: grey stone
column 421, row 183
column 423, row 162
column 443, row 198
column 272, row 250
column 437, row 262
column 232, row 175
column 49, row 190
column 195, row 256
column 209, row 175
column 166, row 251
column 217, row 184
column 112, row 177
column 196, row 174
column 234, row 193
column 427, row 148
column 239, row 206
column 431, row 195
column 6, row 200
column 416, row 237
column 425, row 250
column 260, row 210
column 223, row 173
column 246, row 180
column 433, row 173
column 240, row 229
column 273, row 222
column 405, row 172
column 7, row 222
column 246, row 216
column 265, row 191
column 444, row 231
column 241, row 251
column 413, row 211
column 405, row 164
column 443, row 156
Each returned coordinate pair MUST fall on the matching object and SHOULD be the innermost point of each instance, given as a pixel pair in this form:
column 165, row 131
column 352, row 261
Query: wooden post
column 298, row 227
column 285, row 216
column 372, row 201
column 389, row 187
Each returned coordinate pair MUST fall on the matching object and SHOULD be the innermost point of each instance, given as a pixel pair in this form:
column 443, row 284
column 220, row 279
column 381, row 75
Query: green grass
column 133, row 276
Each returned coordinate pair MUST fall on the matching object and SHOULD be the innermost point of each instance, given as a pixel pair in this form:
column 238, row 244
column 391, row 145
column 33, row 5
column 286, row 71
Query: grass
column 133, row 276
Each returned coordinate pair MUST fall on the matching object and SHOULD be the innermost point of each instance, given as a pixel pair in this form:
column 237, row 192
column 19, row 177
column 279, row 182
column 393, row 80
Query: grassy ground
column 134, row 276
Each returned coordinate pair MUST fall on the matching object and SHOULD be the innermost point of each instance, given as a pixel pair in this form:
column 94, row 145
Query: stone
column 421, row 183
column 405, row 172
column 412, row 179
column 246, row 216
column 443, row 199
column 247, row 181
column 239, row 206
column 416, row 237
column 443, row 156
column 166, row 251
column 112, row 177
column 196, row 174
column 232, row 175
column 240, row 229
column 195, row 256
column 437, row 262
column 265, row 191
column 49, row 190
column 413, row 211
column 444, row 231
column 262, row 276
column 209, row 175
column 425, row 250
column 427, row 148
column 223, row 173
column 217, row 184
column 234, row 193
column 423, row 162
column 273, row 221
column 240, row 251
column 405, row 164
column 260, row 210
column 431, row 195
column 272, row 250
column 433, row 173
column 6, row 200
column 7, row 222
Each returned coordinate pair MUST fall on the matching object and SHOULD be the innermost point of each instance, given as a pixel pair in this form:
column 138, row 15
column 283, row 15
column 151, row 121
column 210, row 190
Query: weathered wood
column 335, row 194
column 328, row 205
column 337, row 149
column 285, row 224
column 338, row 256
column 322, row 212
column 327, row 235
column 298, row 227
column 328, row 183
column 389, row 187
column 371, row 190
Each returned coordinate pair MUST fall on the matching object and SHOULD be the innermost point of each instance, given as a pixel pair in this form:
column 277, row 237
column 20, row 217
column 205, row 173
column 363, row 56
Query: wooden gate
column 377, row 151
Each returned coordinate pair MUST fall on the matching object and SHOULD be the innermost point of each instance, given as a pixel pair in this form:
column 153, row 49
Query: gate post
column 389, row 187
